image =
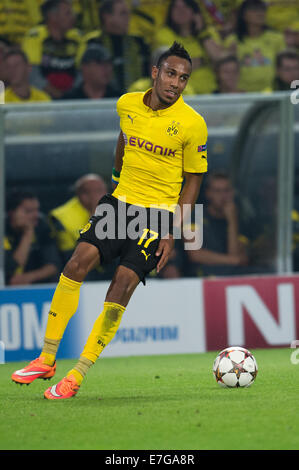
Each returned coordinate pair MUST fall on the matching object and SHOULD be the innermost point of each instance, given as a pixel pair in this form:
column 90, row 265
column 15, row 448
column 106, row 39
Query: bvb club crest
column 172, row 129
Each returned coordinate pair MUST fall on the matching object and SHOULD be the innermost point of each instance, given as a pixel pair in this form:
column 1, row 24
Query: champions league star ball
column 235, row 367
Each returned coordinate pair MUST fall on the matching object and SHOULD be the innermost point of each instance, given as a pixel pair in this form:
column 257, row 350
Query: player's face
column 170, row 79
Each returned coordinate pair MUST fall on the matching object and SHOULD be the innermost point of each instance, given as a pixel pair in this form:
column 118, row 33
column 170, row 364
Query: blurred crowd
column 94, row 49
column 214, row 242
column 91, row 49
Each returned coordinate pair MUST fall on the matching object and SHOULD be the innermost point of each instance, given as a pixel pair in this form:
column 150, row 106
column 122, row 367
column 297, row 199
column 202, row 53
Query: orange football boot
column 35, row 370
column 66, row 388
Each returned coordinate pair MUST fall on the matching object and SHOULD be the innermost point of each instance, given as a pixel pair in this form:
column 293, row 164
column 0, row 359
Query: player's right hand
column 164, row 250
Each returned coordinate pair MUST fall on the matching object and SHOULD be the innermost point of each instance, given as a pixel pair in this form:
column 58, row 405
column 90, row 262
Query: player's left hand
column 164, row 250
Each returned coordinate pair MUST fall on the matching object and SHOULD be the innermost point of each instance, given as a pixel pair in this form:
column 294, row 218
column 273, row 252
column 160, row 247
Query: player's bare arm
column 119, row 154
column 187, row 200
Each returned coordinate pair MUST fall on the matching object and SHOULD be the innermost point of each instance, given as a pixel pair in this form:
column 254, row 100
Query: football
column 235, row 367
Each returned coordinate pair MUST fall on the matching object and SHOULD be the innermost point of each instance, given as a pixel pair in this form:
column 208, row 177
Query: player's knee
column 75, row 269
column 85, row 258
column 122, row 286
column 122, row 283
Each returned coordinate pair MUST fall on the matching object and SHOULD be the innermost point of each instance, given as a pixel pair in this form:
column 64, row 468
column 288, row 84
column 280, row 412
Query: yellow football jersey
column 159, row 147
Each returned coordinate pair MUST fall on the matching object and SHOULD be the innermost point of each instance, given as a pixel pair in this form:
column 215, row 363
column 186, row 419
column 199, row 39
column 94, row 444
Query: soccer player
column 162, row 142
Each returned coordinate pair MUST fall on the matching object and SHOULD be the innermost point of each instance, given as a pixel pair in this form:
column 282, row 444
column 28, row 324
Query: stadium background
column 47, row 146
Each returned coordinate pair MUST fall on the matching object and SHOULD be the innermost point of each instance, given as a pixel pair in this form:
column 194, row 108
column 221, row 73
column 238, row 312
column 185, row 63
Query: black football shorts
column 128, row 232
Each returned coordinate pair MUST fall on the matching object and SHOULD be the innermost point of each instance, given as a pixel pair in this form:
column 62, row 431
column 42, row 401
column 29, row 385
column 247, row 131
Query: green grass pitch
column 155, row 403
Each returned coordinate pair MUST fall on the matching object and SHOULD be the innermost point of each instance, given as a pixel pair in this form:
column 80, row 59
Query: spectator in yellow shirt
column 220, row 14
column 256, row 47
column 17, row 17
column 67, row 220
column 52, row 47
column 18, row 72
column 147, row 16
column 130, row 54
column 87, row 17
column 185, row 24
column 281, row 13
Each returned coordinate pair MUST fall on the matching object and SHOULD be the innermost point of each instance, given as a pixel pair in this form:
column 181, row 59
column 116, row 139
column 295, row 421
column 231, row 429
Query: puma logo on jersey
column 145, row 255
column 131, row 118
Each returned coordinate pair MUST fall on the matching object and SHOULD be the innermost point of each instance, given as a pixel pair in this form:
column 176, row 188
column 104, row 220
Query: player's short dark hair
column 286, row 54
column 176, row 50
column 15, row 198
column 50, row 5
column 16, row 51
